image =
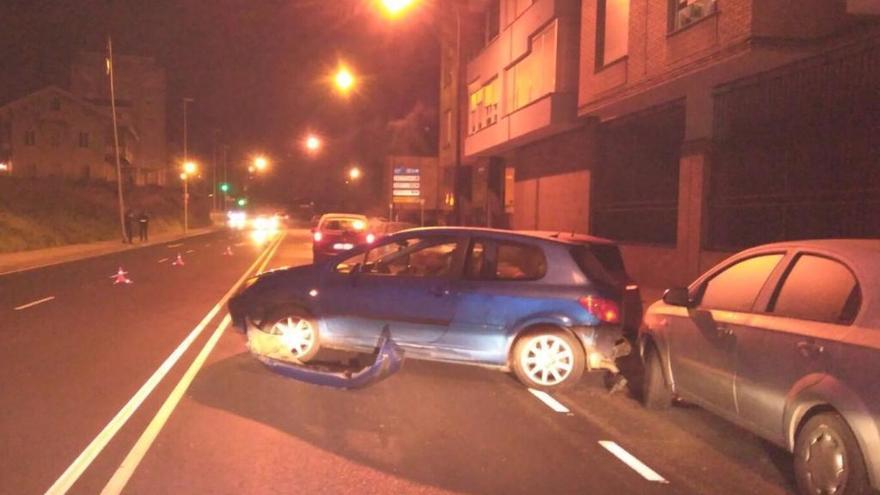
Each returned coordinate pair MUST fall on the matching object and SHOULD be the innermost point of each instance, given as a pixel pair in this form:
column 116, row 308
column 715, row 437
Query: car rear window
column 343, row 224
column 818, row 289
column 600, row 262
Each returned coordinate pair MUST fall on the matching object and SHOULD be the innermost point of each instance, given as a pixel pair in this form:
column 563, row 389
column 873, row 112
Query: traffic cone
column 120, row 277
column 178, row 261
column 228, row 251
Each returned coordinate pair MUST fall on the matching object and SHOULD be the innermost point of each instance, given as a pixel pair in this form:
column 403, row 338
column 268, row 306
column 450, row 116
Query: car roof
column 328, row 216
column 850, row 248
column 569, row 238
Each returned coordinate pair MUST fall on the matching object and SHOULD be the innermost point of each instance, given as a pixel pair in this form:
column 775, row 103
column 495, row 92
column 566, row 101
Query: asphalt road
column 75, row 413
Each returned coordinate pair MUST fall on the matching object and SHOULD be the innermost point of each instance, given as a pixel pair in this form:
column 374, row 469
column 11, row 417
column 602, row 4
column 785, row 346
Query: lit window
column 685, row 12
column 483, row 106
column 535, row 75
column 612, row 31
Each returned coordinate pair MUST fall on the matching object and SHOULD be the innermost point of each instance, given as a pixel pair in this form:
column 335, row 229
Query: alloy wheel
column 547, row 360
column 297, row 334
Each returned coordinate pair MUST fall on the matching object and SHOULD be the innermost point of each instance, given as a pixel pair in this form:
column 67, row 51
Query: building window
column 686, row 12
column 483, row 106
column 493, row 20
column 30, row 138
column 535, row 74
column 55, row 104
column 612, row 31
column 515, row 8
column 83, row 139
column 447, row 117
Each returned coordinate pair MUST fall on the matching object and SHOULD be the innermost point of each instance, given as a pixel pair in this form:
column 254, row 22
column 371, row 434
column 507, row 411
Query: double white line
column 117, row 482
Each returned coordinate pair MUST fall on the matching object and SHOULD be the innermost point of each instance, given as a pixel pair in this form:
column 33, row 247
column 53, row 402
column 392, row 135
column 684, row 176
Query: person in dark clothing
column 143, row 225
column 129, row 226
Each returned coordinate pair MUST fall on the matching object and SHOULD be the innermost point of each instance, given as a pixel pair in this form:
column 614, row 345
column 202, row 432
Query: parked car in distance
column 339, row 232
column 543, row 305
column 784, row 340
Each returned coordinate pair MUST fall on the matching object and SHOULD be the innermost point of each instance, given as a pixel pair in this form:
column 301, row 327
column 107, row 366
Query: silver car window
column 820, row 289
column 736, row 287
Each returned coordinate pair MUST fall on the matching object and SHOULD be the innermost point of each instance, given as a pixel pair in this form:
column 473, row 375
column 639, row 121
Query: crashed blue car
column 546, row 305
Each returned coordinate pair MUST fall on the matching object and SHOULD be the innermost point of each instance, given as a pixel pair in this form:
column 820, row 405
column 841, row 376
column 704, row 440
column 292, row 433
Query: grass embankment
column 37, row 214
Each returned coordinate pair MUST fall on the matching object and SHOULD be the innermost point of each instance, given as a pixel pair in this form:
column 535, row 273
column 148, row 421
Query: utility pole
column 185, row 161
column 116, row 139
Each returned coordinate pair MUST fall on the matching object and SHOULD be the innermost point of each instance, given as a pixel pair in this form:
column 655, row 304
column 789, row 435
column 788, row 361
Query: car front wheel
column 656, row 393
column 296, row 332
column 827, row 458
column 548, row 359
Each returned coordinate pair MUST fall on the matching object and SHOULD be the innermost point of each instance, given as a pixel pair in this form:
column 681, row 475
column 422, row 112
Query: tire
column 564, row 359
column 304, row 338
column 827, row 458
column 656, row 393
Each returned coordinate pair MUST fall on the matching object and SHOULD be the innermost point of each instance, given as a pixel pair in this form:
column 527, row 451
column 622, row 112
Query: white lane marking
column 137, row 453
column 630, row 460
column 28, row 305
column 549, row 400
column 190, row 251
column 163, row 260
column 88, row 455
column 174, row 245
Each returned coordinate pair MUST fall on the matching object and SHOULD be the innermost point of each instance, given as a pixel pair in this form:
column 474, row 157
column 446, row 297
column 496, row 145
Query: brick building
column 52, row 133
column 684, row 128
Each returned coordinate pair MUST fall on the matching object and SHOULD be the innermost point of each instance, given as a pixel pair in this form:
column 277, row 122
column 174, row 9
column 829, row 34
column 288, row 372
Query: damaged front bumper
column 271, row 351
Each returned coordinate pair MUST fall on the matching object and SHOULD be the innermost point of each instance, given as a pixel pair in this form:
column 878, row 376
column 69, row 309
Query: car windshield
column 348, row 224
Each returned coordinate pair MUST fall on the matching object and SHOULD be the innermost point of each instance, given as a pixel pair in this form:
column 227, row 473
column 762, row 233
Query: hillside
column 37, row 214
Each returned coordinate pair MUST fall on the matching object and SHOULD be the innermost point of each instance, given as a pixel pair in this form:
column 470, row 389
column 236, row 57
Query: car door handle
column 810, row 350
column 439, row 291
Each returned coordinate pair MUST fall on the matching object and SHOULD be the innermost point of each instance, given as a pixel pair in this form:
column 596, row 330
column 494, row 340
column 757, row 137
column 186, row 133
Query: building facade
column 53, row 134
column 140, row 85
column 686, row 129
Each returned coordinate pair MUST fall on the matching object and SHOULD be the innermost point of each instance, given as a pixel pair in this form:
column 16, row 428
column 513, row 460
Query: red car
column 339, row 232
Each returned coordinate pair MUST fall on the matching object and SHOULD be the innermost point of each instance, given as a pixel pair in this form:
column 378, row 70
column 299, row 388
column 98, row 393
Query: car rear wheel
column 548, row 359
column 656, row 393
column 297, row 332
column 827, row 458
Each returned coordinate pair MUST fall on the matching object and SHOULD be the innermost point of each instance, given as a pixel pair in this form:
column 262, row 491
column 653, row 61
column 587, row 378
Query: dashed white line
column 30, row 304
column 190, row 251
column 550, row 401
column 631, row 461
column 163, row 260
column 174, row 245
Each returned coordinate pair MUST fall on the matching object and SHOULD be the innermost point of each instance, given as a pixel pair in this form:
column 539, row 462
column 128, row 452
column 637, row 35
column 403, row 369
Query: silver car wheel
column 547, row 360
column 297, row 334
column 826, row 462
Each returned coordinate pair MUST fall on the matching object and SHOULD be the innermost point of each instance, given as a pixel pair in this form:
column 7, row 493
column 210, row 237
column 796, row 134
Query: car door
column 405, row 283
column 702, row 339
column 790, row 344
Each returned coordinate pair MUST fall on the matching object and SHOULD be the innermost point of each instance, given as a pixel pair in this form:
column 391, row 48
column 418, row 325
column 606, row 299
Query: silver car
column 783, row 339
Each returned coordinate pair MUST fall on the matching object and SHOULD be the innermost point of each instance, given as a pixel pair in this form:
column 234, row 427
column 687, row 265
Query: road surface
column 142, row 388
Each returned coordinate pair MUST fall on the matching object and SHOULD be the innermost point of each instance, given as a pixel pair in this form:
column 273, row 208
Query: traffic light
column 242, row 201
column 224, row 187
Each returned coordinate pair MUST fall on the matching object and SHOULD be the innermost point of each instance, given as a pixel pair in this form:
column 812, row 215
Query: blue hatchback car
column 546, row 305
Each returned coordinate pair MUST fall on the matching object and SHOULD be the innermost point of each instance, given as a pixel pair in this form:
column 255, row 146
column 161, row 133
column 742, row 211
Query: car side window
column 519, row 262
column 820, row 289
column 413, row 257
column 736, row 287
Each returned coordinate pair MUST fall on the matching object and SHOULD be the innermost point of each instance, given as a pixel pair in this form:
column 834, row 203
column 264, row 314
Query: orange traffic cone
column 120, row 277
column 228, row 251
column 178, row 261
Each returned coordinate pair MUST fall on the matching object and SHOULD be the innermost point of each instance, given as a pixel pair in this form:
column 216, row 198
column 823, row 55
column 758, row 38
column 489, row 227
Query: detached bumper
column 603, row 346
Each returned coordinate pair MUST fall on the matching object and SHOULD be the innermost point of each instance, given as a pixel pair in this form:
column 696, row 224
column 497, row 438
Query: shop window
column 612, row 31
column 534, row 76
column 685, row 12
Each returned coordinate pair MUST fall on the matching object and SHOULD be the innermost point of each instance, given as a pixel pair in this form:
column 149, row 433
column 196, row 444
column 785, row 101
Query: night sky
column 256, row 68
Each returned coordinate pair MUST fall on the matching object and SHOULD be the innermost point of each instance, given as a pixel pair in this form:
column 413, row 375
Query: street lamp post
column 189, row 169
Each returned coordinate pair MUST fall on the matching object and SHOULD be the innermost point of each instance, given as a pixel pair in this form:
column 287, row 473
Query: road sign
column 406, row 185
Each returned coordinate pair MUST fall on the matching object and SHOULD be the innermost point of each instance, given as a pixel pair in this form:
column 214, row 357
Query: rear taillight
column 317, row 236
column 371, row 238
column 605, row 310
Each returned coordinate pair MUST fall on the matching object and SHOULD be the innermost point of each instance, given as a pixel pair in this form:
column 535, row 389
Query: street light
column 344, row 80
column 189, row 169
column 396, row 7
column 260, row 163
column 354, row 173
column 312, row 143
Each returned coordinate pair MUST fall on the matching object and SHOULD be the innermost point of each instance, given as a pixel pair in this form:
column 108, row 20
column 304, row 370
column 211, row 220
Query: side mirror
column 678, row 296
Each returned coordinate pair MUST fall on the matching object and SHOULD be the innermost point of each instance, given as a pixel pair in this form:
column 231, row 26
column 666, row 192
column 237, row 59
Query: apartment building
column 53, row 134
column 686, row 129
column 140, row 105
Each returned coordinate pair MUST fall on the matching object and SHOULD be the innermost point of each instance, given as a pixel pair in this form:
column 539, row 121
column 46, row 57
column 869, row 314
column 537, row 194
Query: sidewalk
column 28, row 260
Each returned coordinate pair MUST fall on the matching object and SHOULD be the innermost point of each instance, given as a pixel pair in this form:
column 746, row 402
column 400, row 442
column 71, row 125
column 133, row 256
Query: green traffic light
column 224, row 187
column 242, row 202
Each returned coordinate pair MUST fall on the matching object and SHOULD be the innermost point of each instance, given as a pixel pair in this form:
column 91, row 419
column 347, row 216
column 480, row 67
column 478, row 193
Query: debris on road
column 178, row 261
column 120, row 277
column 228, row 251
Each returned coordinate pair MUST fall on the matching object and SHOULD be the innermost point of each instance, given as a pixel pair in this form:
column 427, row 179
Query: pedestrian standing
column 143, row 224
column 129, row 226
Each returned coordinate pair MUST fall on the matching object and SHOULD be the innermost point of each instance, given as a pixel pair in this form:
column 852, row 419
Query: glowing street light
column 396, row 7
column 312, row 143
column 260, row 163
column 354, row 173
column 344, row 80
column 189, row 169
